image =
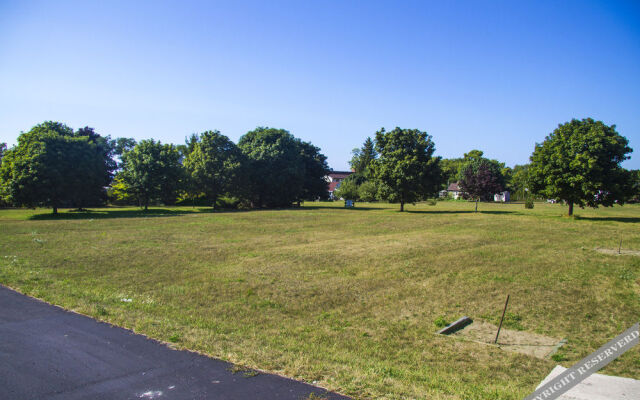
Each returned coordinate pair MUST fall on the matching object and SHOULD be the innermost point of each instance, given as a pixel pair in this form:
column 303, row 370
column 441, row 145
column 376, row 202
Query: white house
column 454, row 191
column 503, row 197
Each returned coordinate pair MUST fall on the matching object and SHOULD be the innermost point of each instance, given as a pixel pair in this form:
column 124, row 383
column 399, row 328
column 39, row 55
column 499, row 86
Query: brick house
column 335, row 178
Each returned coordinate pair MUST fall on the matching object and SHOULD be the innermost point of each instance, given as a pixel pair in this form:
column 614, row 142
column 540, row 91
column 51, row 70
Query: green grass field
column 346, row 298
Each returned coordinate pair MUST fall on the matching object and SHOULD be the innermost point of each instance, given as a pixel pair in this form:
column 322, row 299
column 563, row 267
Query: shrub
column 348, row 190
column 368, row 191
column 245, row 205
column 200, row 201
column 528, row 203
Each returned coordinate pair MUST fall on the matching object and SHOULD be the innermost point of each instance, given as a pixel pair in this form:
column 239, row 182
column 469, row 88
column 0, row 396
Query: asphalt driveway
column 49, row 353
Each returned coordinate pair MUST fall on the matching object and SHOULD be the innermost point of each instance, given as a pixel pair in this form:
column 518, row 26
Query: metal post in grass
column 502, row 319
column 620, row 245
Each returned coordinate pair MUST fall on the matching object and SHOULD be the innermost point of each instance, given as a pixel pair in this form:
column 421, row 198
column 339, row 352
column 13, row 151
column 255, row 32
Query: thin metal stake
column 502, row 319
column 620, row 245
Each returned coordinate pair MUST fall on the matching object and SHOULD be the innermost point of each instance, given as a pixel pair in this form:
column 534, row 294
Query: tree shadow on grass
column 396, row 209
column 106, row 213
column 316, row 207
column 609, row 219
column 459, row 212
column 109, row 213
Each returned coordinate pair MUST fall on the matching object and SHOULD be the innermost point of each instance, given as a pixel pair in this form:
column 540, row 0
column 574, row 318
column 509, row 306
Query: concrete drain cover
column 532, row 344
column 614, row 252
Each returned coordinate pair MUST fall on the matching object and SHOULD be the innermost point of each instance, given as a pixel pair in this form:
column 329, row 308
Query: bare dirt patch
column 532, row 344
column 614, row 252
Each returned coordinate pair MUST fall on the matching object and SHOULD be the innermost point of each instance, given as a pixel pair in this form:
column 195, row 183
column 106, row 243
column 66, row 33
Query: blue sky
column 496, row 76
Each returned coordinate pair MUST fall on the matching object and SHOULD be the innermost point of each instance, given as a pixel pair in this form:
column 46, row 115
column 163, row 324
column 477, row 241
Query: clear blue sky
column 496, row 76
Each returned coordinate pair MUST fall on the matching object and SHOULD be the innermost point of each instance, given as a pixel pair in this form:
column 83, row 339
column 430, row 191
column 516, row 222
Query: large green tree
column 54, row 166
column 122, row 145
column 315, row 167
column 362, row 164
column 406, row 165
column 102, row 167
column 214, row 163
column 519, row 183
column 363, row 157
column 579, row 162
column 3, row 200
column 450, row 170
column 189, row 145
column 275, row 167
column 151, row 171
column 634, row 176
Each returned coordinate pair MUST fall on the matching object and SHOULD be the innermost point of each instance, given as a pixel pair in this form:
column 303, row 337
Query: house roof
column 339, row 174
column 453, row 187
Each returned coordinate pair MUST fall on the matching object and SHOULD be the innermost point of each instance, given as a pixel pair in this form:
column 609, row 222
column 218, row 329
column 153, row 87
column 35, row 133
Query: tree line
column 54, row 166
column 578, row 163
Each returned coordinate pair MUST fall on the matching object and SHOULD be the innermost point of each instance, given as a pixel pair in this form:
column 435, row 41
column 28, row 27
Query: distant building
column 335, row 178
column 454, row 191
column 503, row 197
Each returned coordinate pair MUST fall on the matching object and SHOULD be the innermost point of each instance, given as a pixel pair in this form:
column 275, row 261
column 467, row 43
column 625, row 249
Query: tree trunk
column 55, row 209
column 401, row 206
column 477, row 205
column 215, row 200
column 570, row 208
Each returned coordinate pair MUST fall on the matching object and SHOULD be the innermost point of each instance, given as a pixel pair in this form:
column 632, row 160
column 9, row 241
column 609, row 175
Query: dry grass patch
column 523, row 342
column 616, row 252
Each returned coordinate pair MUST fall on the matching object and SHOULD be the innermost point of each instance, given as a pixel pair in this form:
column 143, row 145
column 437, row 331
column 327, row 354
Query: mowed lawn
column 345, row 298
